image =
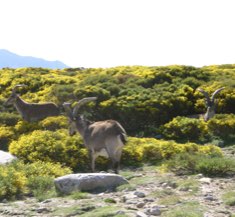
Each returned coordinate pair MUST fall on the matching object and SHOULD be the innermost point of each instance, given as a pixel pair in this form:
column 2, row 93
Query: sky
column 109, row 33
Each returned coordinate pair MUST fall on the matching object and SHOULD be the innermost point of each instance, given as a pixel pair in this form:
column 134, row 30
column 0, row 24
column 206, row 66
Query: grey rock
column 140, row 205
column 139, row 194
column 199, row 176
column 132, row 201
column 164, row 185
column 120, row 212
column 205, row 180
column 141, row 214
column 149, row 200
column 210, row 198
column 88, row 182
column 155, row 211
column 4, row 201
column 42, row 210
column 6, row 157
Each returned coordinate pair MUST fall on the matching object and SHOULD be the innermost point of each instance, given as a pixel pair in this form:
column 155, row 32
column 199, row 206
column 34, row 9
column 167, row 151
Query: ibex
column 31, row 111
column 102, row 138
column 210, row 104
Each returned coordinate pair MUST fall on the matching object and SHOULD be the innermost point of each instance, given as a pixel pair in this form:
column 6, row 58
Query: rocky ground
column 150, row 193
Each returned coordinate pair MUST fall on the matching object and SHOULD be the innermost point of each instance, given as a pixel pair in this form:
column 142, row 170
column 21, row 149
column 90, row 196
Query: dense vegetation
column 141, row 98
column 152, row 103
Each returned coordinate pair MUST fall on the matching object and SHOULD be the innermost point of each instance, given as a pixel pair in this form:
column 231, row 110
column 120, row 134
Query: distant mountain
column 11, row 60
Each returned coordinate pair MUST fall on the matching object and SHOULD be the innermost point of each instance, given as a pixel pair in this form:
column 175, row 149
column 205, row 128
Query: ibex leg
column 93, row 158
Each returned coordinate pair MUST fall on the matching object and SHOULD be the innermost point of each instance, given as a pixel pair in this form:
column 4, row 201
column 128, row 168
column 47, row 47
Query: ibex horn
column 17, row 86
column 216, row 92
column 205, row 94
column 82, row 102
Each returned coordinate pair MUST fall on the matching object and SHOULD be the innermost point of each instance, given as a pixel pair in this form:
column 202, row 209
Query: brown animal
column 31, row 111
column 210, row 104
column 102, row 138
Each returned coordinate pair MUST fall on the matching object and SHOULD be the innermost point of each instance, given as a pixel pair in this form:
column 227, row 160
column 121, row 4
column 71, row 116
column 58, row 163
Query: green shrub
column 12, row 182
column 41, row 186
column 77, row 195
column 18, row 179
column 150, row 150
column 185, row 129
column 182, row 164
column 223, row 126
column 229, row 198
column 53, row 147
column 207, row 165
column 54, row 123
column 59, row 147
column 109, row 200
column 216, row 166
column 131, row 155
column 23, row 127
column 9, row 119
column 46, row 169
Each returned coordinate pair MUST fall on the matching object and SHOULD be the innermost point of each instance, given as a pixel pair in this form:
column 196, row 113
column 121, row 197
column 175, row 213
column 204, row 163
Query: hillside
column 150, row 193
column 11, row 60
column 153, row 105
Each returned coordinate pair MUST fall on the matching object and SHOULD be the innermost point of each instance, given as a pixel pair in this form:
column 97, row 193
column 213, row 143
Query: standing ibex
column 31, row 111
column 210, row 104
column 102, row 138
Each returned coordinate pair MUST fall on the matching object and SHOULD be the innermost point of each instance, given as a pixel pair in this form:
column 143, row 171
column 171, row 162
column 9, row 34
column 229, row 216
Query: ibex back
column 102, row 138
column 31, row 111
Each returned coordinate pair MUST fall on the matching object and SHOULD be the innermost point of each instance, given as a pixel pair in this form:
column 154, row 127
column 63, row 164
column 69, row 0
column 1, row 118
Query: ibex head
column 73, row 116
column 210, row 103
column 11, row 100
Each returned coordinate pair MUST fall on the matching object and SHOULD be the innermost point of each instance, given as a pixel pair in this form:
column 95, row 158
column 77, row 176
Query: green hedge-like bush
column 223, row 126
column 16, row 179
column 9, row 119
column 54, row 123
column 186, row 163
column 51, row 146
column 12, row 182
column 150, row 150
column 60, row 147
column 185, row 129
column 182, row 129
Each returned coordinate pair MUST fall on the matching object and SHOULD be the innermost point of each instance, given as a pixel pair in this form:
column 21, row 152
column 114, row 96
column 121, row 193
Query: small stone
column 4, row 201
column 164, row 184
column 155, row 211
column 210, row 198
column 42, row 209
column 46, row 201
column 205, row 180
column 140, row 205
column 199, row 176
column 141, row 214
column 148, row 200
column 132, row 201
column 139, row 194
column 120, row 212
column 131, row 208
column 172, row 185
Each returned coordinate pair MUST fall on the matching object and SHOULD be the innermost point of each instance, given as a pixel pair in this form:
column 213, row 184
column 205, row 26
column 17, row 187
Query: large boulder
column 6, row 157
column 88, row 182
